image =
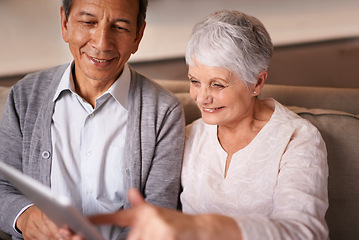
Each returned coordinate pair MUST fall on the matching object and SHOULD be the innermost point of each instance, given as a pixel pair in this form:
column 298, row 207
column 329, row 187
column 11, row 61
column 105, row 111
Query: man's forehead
column 107, row 2
column 124, row 8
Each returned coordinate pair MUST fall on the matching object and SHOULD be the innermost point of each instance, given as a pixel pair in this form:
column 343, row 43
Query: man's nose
column 101, row 38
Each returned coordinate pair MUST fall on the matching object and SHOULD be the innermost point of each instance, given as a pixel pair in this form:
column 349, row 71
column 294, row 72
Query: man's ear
column 262, row 77
column 64, row 23
column 138, row 38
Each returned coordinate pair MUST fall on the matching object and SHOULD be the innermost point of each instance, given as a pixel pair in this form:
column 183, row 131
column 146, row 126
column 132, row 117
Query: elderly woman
column 252, row 168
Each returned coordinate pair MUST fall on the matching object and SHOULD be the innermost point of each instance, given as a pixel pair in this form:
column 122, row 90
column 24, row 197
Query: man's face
column 102, row 35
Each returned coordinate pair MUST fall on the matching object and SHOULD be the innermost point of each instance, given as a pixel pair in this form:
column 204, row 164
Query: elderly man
column 94, row 128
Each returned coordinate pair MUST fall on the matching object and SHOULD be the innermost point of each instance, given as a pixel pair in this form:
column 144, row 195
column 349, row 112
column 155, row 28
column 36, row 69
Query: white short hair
column 232, row 40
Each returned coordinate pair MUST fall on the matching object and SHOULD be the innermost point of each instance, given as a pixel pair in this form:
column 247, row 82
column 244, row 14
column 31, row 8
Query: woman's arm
column 153, row 223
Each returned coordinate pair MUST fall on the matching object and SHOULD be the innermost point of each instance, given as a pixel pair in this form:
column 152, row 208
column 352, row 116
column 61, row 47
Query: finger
column 135, row 197
column 65, row 233
column 76, row 237
column 123, row 218
column 134, row 234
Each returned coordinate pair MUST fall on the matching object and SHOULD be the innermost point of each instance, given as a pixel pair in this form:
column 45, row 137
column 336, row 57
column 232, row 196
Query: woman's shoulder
column 197, row 126
column 193, row 127
column 283, row 116
column 198, row 129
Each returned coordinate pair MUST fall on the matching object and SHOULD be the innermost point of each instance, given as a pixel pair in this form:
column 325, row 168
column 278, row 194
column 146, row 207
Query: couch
column 334, row 111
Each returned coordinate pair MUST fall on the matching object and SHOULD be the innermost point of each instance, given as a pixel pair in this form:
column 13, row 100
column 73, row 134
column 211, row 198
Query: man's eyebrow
column 123, row 20
column 84, row 13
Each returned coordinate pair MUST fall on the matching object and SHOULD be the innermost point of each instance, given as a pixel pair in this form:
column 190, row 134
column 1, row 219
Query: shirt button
column 46, row 154
column 92, row 115
column 127, row 172
column 89, row 153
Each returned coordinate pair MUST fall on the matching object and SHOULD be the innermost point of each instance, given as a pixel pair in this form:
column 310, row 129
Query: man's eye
column 120, row 28
column 88, row 22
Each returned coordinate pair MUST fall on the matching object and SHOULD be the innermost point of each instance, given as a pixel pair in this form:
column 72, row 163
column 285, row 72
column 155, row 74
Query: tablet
column 56, row 207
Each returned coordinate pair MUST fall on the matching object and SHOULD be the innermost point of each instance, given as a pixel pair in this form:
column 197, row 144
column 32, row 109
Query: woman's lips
column 211, row 110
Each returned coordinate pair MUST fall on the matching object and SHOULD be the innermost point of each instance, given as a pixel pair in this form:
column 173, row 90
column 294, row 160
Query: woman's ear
column 262, row 77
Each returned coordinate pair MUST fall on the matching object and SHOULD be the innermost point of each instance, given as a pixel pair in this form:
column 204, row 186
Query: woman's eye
column 218, row 85
column 194, row 81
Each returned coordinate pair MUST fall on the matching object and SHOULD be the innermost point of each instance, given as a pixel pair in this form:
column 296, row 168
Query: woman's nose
column 203, row 96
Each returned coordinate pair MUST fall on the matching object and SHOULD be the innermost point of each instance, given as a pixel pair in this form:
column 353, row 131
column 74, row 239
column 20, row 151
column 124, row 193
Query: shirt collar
column 119, row 89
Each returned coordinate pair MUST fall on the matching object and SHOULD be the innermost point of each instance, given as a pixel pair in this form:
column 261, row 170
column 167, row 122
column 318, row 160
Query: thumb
column 135, row 197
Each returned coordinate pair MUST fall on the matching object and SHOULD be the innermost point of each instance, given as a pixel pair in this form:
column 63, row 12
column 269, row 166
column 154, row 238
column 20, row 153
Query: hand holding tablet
column 56, row 207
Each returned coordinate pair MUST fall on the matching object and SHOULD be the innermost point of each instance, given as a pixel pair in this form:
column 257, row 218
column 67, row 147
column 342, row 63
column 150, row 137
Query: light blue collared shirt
column 88, row 147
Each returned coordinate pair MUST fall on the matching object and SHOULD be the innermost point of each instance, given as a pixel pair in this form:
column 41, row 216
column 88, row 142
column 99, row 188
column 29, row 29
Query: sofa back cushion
column 4, row 92
column 341, row 135
column 191, row 111
column 4, row 236
column 341, row 99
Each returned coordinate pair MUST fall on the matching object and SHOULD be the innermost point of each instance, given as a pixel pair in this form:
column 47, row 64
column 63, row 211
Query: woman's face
column 222, row 97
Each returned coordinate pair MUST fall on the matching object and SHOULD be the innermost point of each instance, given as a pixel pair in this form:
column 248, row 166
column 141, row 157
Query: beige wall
column 31, row 39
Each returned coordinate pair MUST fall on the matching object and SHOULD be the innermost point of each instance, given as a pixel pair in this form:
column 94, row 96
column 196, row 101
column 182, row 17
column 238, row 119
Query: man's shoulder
column 38, row 85
column 43, row 77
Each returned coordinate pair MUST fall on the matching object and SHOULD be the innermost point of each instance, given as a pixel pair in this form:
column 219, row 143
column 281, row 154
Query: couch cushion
column 4, row 92
column 4, row 236
column 191, row 111
column 175, row 86
column 341, row 99
column 341, row 135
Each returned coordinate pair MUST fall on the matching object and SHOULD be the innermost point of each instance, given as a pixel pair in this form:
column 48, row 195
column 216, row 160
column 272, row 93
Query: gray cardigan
column 154, row 141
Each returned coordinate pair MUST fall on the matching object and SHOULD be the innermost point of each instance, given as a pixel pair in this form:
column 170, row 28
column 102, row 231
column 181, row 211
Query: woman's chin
column 211, row 120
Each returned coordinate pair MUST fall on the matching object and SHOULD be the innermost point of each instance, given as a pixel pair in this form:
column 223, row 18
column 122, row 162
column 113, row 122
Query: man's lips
column 100, row 60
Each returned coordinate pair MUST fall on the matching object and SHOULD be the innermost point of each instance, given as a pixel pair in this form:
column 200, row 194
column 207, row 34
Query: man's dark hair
column 67, row 4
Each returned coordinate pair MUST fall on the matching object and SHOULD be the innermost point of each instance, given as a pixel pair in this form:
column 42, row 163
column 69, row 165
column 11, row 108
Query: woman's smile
column 211, row 110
